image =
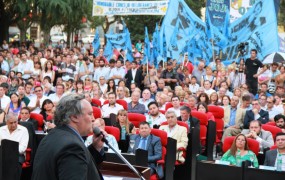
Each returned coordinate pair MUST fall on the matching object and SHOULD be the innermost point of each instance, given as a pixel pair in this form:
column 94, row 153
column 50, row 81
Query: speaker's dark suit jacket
column 249, row 116
column 138, row 79
column 153, row 148
column 270, row 157
column 63, row 155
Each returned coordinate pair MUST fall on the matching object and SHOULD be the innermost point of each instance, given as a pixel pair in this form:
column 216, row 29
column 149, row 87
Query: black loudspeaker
column 10, row 159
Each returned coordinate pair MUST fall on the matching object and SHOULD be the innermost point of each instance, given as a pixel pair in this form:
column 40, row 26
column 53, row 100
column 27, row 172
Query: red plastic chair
column 136, row 118
column 114, row 131
column 97, row 101
column 252, row 144
column 273, row 129
column 202, row 117
column 39, row 118
column 121, row 102
column 273, row 147
column 163, row 139
column 271, row 123
column 27, row 162
column 169, row 105
column 162, row 111
column 97, row 112
column 218, row 113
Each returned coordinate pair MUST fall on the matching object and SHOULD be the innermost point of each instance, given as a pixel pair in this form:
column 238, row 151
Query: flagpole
column 213, row 51
column 146, row 66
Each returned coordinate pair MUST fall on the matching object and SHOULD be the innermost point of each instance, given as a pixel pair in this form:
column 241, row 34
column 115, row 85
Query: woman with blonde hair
column 239, row 152
column 126, row 129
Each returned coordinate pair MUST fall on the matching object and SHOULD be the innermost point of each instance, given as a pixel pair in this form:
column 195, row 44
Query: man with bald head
column 233, row 118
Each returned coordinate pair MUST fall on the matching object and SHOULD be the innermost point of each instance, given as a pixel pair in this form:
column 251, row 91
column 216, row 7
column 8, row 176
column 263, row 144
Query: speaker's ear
column 74, row 118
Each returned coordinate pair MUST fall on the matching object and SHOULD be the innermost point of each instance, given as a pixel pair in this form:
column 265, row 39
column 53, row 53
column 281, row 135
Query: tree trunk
column 23, row 31
column 4, row 30
column 46, row 35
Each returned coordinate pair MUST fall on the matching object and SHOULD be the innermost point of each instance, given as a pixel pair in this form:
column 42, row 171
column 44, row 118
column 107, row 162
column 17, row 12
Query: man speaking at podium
column 62, row 153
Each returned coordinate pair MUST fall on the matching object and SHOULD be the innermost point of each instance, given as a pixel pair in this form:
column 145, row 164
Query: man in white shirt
column 272, row 111
column 207, row 88
column 55, row 97
column 112, row 107
column 225, row 85
column 14, row 132
column 118, row 72
column 193, row 86
column 37, row 101
column 5, row 100
column 26, row 67
column 102, row 83
column 154, row 118
column 121, row 94
column 101, row 71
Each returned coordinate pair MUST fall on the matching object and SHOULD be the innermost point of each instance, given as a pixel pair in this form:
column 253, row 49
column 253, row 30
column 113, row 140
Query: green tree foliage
column 281, row 15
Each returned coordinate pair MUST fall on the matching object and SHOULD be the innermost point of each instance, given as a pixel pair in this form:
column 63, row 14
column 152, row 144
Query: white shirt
column 5, row 100
column 107, row 110
column 273, row 112
column 104, row 71
column 5, row 66
column 134, row 71
column 26, row 66
column 145, row 103
column 20, row 135
column 194, row 88
column 103, row 87
column 55, row 98
column 209, row 91
column 155, row 121
column 117, row 72
column 34, row 101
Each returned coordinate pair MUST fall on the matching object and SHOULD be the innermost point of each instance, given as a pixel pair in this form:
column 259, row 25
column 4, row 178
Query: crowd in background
column 34, row 79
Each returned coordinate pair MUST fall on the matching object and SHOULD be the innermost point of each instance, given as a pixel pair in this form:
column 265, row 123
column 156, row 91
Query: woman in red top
column 203, row 107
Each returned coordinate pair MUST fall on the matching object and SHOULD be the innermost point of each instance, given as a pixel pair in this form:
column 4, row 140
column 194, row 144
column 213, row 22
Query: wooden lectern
column 110, row 169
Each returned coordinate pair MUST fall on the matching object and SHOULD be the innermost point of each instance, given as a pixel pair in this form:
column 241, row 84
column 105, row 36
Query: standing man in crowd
column 169, row 76
column 252, row 64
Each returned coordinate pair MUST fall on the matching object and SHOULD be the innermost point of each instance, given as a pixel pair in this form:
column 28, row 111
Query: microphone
column 98, row 132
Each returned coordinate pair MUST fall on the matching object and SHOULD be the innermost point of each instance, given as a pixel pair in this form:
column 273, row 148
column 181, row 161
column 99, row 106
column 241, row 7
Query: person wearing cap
column 169, row 76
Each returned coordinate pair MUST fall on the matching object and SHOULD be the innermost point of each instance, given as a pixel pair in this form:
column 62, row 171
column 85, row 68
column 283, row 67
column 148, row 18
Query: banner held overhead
column 104, row 8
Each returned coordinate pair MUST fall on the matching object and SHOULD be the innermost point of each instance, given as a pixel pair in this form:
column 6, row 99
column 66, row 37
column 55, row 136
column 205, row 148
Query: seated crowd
column 36, row 79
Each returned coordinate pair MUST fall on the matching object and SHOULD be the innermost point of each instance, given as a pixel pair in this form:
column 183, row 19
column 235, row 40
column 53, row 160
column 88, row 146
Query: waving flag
column 96, row 43
column 146, row 48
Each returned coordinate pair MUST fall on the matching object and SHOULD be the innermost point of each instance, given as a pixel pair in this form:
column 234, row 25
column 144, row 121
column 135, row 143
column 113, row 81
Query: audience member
column 264, row 138
column 179, row 133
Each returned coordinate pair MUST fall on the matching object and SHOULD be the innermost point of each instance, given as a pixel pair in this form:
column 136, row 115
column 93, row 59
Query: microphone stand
column 124, row 159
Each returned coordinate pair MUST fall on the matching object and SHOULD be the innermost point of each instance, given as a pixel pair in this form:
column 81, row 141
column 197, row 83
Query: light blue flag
column 164, row 47
column 258, row 28
column 129, row 46
column 146, row 48
column 108, row 52
column 155, row 44
column 96, row 43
